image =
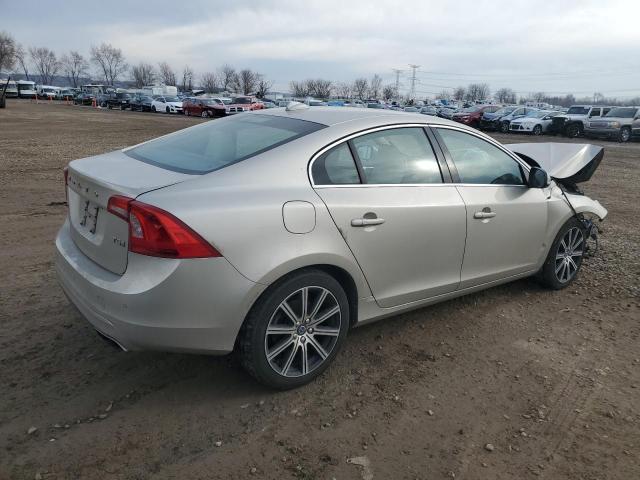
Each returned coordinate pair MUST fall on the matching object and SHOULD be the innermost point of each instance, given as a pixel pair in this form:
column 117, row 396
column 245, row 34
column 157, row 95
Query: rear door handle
column 481, row 215
column 365, row 222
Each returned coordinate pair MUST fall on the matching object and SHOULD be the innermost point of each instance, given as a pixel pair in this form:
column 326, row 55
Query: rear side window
column 396, row 156
column 215, row 145
column 479, row 162
column 335, row 167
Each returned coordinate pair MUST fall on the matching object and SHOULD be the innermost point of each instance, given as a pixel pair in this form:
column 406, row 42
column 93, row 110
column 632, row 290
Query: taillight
column 66, row 184
column 157, row 233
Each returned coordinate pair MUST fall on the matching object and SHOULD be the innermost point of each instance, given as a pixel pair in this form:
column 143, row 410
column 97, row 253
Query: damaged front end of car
column 569, row 164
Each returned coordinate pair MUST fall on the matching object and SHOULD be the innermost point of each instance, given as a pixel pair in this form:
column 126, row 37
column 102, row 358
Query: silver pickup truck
column 621, row 123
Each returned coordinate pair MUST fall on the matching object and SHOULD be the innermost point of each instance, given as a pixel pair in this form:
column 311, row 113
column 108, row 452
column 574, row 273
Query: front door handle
column 484, row 214
column 365, row 222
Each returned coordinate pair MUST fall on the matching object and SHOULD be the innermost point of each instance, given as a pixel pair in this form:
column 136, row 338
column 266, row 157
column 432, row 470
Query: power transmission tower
column 397, row 71
column 412, row 94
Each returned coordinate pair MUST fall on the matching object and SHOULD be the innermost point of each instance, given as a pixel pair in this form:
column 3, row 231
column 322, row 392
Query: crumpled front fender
column 584, row 204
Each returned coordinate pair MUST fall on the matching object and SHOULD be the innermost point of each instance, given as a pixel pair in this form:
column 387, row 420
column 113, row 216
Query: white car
column 536, row 123
column 166, row 104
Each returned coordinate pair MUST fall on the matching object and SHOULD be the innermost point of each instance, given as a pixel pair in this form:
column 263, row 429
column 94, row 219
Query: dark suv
column 119, row 100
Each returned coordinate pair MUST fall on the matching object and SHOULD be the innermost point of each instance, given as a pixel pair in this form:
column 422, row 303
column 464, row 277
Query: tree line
column 108, row 63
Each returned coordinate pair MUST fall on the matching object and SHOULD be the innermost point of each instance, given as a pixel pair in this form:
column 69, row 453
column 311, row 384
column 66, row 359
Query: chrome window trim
column 345, row 139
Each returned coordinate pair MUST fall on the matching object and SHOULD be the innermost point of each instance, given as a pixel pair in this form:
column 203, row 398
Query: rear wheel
column 565, row 256
column 295, row 330
column 625, row 134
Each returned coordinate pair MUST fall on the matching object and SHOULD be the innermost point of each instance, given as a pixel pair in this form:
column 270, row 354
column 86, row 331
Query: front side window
column 397, row 156
column 480, row 162
column 215, row 145
column 335, row 167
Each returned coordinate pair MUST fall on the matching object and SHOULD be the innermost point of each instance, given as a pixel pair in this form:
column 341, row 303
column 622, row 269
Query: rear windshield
column 219, row 143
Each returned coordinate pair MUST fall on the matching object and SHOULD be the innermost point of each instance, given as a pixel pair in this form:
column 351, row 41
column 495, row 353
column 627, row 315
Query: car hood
column 569, row 162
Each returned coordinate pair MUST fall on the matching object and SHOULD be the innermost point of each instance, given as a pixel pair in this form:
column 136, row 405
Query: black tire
column 504, row 127
column 204, row 114
column 625, row 135
column 153, row 108
column 252, row 338
column 187, row 113
column 537, row 130
column 549, row 274
column 573, row 130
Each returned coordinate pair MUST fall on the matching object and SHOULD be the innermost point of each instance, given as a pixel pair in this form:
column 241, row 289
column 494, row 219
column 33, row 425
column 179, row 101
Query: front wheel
column 537, row 130
column 625, row 135
column 504, row 127
column 153, row 108
column 565, row 256
column 573, row 130
column 295, row 330
column 204, row 114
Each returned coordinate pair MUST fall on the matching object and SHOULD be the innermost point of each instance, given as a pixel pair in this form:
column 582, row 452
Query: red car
column 204, row 107
column 244, row 104
column 471, row 116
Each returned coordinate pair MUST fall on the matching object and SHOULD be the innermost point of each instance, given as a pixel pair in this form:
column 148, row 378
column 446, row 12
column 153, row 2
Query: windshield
column 578, row 110
column 535, row 114
column 622, row 112
column 215, row 145
column 242, row 100
column 505, row 110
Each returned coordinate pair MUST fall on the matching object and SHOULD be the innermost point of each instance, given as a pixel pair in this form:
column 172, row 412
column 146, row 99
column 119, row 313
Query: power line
column 397, row 71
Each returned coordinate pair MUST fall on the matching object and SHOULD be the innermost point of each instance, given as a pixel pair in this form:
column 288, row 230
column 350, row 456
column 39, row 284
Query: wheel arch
column 344, row 278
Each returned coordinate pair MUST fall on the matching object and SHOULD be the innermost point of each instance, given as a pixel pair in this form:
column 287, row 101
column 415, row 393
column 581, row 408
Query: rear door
column 506, row 220
column 404, row 225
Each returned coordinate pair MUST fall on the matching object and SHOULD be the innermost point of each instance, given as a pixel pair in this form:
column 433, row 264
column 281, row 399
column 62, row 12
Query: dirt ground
column 551, row 380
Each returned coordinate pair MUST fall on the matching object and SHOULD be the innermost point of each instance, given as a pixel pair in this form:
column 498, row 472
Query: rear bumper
column 193, row 305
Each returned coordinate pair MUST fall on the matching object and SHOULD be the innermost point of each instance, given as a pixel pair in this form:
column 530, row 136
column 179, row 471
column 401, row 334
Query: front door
column 405, row 227
column 506, row 220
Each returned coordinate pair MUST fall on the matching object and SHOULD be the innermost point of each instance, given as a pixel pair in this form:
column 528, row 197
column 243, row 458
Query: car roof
column 332, row 116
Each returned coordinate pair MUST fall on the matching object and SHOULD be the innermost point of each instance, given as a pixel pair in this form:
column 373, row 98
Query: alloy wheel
column 625, row 134
column 569, row 255
column 303, row 331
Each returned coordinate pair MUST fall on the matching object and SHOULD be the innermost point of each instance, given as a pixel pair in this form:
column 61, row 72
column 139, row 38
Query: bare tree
column 228, row 77
column 209, row 82
column 505, row 95
column 187, row 78
column 109, row 60
column 343, row 90
column 319, row 87
column 21, row 58
column 599, row 98
column 299, row 89
column 248, row 81
column 7, row 51
column 143, row 74
column 264, row 86
column 389, row 92
column 477, row 92
column 538, row 96
column 46, row 63
column 459, row 93
column 166, row 74
column 74, row 66
column 360, row 88
column 375, row 86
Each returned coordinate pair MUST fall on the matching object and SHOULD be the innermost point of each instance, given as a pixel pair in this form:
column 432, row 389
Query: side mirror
column 538, row 178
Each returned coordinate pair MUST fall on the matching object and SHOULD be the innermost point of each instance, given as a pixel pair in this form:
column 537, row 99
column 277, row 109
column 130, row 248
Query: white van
column 26, row 89
column 47, row 91
column 12, row 89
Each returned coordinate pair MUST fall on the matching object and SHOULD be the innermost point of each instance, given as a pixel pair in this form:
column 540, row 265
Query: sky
column 557, row 47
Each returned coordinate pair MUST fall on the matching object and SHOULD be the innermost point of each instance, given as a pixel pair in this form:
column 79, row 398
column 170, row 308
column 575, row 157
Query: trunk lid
column 100, row 235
